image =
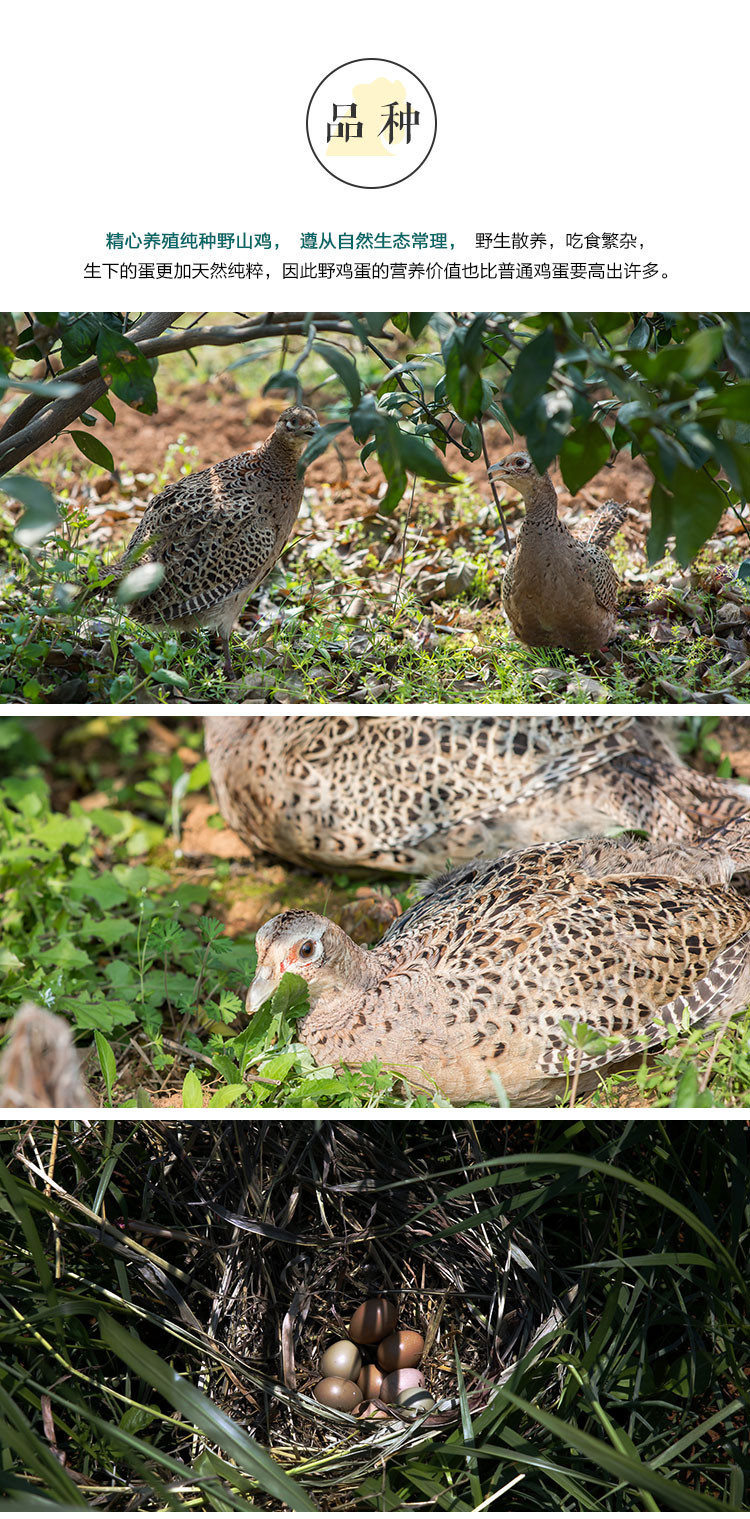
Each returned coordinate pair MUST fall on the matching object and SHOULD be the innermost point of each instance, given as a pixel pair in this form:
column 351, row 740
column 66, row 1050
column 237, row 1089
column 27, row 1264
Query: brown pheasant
column 408, row 793
column 494, row 970
column 559, row 591
column 40, row 1066
column 218, row 532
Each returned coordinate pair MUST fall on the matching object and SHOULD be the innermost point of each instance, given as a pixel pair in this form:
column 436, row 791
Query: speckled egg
column 342, row 1360
column 370, row 1379
column 404, row 1348
column 400, row 1381
column 415, row 1400
column 338, row 1392
column 372, row 1321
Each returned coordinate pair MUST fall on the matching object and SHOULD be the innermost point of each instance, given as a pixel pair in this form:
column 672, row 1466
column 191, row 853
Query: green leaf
column 135, row 1419
column 51, row 389
column 107, row 1062
column 41, row 516
column 126, row 371
column 419, row 459
column 389, row 455
column 688, row 1094
column 9, row 962
column 79, row 337
column 628, row 1469
column 283, row 379
column 217, row 1426
column 171, row 678
column 291, row 994
column 418, row 320
column 93, row 448
column 734, row 459
column 200, row 776
column 139, row 582
column 531, row 372
column 640, row 336
column 471, row 440
column 228, row 1095
column 464, row 357
column 701, row 351
column 344, row 367
column 277, row 1067
column 376, row 321
column 732, row 401
column 661, row 519
column 365, row 418
column 547, row 426
column 320, row 442
column 24, row 1446
column 106, row 409
column 499, row 415
column 192, row 1091
column 583, row 454
column 690, row 507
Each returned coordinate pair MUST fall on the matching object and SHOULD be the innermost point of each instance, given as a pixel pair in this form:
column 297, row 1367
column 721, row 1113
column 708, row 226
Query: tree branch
column 48, row 418
column 149, row 326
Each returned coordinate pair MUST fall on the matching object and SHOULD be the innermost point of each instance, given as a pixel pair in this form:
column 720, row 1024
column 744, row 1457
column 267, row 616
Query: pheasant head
column 518, row 470
column 295, row 427
column 312, row 947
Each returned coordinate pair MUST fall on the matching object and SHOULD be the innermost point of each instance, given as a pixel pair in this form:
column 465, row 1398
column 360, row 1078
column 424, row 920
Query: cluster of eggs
column 350, row 1381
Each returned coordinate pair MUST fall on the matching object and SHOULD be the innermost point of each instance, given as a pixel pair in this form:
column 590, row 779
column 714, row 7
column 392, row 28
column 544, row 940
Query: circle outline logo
column 353, row 183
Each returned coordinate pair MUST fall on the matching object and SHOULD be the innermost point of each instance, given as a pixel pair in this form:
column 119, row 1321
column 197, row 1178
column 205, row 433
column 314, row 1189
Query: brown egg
column 371, row 1411
column 404, row 1348
column 372, row 1321
column 415, row 1400
column 370, row 1379
column 400, row 1381
column 342, row 1360
column 338, row 1392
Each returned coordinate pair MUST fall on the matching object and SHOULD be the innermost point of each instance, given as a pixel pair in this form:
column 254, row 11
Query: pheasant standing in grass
column 559, row 591
column 633, row 941
column 410, row 793
column 218, row 532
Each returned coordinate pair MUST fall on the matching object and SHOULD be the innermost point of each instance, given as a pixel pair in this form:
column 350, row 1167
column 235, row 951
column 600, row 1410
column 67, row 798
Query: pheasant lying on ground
column 476, row 979
column 558, row 591
column 408, row 793
column 219, row 532
column 39, row 1066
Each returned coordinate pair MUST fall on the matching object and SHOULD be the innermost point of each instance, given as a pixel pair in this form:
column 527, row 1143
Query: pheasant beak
column 495, row 469
column 260, row 991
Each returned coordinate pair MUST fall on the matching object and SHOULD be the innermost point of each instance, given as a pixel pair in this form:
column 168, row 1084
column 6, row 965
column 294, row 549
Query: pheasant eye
column 307, row 949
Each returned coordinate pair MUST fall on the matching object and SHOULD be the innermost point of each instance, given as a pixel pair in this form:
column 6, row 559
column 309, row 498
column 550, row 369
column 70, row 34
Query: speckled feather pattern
column 480, row 974
column 218, row 532
column 559, row 591
column 410, row 793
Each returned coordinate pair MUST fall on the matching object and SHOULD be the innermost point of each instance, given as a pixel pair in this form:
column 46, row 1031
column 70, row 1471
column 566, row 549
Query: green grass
column 586, row 1286
column 106, row 923
column 102, row 927
column 342, row 617
column 333, row 625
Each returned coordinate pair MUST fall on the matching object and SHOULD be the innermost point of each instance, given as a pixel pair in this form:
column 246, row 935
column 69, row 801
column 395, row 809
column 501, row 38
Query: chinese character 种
column 398, row 120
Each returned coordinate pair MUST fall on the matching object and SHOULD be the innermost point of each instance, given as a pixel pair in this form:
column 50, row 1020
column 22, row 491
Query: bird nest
column 248, row 1245
column 352, row 1211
